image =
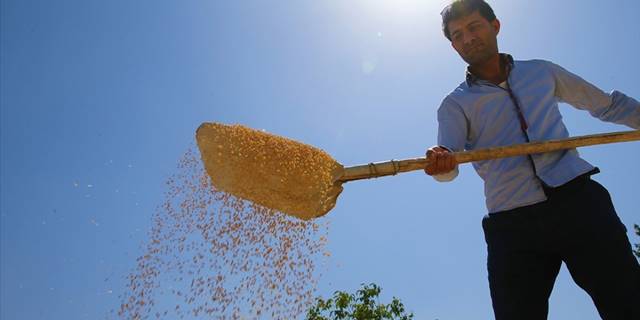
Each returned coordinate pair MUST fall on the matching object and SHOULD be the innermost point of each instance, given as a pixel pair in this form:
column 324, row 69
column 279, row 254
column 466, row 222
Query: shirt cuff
column 446, row 177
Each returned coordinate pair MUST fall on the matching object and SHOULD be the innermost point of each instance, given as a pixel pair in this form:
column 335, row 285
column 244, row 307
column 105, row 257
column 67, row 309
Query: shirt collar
column 473, row 79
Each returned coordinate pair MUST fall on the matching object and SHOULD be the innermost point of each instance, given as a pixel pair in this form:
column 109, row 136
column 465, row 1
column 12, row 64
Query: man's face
column 474, row 38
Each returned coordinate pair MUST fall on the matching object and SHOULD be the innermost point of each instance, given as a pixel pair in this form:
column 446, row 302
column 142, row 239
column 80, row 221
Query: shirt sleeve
column 452, row 133
column 613, row 107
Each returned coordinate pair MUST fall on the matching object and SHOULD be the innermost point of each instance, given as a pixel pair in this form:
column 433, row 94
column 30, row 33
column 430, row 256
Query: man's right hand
column 441, row 161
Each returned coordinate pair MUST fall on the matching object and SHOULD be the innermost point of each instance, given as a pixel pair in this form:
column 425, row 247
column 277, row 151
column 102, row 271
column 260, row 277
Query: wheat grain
column 213, row 255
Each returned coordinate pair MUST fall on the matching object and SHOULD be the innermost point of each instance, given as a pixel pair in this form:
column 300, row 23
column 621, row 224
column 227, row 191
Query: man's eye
column 474, row 26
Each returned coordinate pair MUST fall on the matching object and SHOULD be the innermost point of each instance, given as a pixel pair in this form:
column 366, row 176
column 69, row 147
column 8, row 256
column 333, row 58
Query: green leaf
column 363, row 305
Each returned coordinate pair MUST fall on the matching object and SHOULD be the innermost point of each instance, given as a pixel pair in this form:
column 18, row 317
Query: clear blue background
column 101, row 98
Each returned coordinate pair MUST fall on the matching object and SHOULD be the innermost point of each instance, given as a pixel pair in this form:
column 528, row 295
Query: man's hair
column 462, row 8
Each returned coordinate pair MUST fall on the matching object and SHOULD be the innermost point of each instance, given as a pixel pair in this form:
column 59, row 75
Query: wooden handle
column 393, row 167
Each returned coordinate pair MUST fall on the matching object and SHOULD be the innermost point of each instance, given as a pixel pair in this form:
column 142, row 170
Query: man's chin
column 477, row 59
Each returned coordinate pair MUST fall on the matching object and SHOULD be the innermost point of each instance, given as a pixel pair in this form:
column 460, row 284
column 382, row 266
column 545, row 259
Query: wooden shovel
column 305, row 182
column 393, row 167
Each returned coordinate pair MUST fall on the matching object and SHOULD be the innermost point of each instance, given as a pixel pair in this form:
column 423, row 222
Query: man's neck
column 493, row 70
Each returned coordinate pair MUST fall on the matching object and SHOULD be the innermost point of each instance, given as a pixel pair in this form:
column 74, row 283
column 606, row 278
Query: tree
column 637, row 251
column 363, row 305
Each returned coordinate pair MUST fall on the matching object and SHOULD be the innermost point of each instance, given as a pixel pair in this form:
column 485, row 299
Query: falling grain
column 213, row 255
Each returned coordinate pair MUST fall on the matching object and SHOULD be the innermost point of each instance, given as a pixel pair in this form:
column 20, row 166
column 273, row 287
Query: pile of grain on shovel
column 269, row 170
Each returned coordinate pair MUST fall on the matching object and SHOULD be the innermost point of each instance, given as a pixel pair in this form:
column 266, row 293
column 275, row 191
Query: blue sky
column 99, row 99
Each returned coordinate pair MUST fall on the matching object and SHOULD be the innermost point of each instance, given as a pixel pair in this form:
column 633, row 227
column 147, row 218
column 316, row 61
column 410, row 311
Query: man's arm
column 452, row 135
column 613, row 107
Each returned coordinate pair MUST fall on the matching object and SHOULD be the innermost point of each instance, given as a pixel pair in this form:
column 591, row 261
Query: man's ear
column 496, row 25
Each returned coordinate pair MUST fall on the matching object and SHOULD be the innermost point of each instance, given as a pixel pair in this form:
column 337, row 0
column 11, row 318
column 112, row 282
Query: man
column 544, row 209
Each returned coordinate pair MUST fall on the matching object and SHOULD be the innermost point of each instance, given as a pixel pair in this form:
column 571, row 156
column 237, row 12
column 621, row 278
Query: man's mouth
column 474, row 49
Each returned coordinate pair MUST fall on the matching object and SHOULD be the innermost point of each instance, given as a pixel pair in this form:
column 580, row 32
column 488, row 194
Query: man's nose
column 469, row 38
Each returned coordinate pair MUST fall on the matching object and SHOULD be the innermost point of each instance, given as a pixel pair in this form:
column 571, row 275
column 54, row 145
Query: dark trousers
column 577, row 225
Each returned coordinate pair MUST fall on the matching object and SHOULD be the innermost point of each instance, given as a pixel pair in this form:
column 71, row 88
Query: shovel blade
column 269, row 170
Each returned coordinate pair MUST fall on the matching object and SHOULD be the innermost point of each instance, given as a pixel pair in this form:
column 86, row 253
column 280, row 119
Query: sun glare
column 406, row 8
